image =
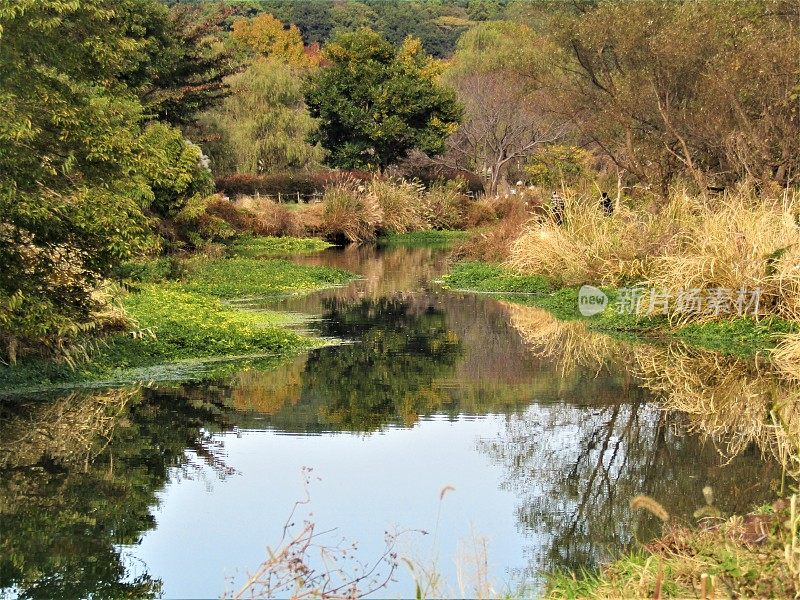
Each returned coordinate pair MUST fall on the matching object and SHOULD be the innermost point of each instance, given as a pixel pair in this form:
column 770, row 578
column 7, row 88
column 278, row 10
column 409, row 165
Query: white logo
column 591, row 301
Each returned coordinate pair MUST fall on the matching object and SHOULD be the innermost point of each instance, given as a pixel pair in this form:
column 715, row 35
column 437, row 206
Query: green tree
column 77, row 176
column 399, row 19
column 352, row 16
column 375, row 103
column 262, row 126
column 70, row 200
column 185, row 62
column 195, row 79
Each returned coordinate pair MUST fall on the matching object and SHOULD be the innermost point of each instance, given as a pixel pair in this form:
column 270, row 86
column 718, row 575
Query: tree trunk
column 11, row 350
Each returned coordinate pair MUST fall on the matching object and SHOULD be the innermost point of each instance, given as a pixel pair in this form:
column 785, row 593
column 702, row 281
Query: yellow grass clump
column 592, row 247
column 400, row 203
column 738, row 243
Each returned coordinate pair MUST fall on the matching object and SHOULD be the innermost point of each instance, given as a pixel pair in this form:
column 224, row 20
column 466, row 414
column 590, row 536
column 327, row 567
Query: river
column 479, row 422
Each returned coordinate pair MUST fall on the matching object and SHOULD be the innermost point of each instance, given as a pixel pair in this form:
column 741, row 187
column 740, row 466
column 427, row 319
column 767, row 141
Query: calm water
column 178, row 490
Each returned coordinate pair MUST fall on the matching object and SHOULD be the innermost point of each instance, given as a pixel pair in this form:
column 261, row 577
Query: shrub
column 495, row 244
column 555, row 165
column 200, row 226
column 173, row 168
column 288, row 184
column 481, row 213
column 487, row 211
column 445, row 206
column 400, row 203
column 349, row 214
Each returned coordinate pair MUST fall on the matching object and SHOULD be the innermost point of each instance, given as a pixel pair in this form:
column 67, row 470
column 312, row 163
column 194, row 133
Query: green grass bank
column 186, row 323
column 740, row 336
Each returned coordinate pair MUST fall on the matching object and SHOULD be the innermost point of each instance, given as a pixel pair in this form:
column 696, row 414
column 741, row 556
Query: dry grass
column 350, row 213
column 740, row 243
column 401, row 204
column 786, row 356
column 749, row 556
column 591, row 247
column 445, row 206
column 263, row 216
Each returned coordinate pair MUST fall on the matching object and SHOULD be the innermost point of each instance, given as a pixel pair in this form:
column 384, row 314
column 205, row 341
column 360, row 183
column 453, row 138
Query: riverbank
column 191, row 319
column 714, row 554
column 747, row 556
column 740, row 336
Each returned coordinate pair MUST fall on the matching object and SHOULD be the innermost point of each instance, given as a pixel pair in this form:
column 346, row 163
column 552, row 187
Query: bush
column 488, row 211
column 555, row 165
column 288, row 184
column 446, row 206
column 173, row 168
column 431, row 174
column 349, row 214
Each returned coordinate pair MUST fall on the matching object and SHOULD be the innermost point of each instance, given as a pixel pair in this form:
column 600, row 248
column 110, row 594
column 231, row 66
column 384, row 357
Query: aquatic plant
column 270, row 246
column 242, row 277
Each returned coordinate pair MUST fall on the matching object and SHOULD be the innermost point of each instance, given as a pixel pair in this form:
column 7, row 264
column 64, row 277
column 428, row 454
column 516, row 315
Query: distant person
column 557, row 206
column 607, row 203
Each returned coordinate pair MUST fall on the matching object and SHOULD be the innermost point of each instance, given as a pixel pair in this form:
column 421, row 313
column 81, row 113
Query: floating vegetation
column 269, row 246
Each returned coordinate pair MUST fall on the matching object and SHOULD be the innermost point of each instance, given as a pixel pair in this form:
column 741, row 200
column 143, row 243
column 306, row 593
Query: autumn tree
column 499, row 73
column 268, row 37
column 706, row 91
column 375, row 102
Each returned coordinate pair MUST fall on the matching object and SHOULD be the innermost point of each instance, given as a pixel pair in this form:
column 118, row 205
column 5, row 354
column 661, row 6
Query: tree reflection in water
column 575, row 470
column 78, row 478
column 584, row 429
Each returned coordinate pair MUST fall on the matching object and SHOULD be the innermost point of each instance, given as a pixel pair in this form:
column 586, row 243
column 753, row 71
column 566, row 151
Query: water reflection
column 737, row 403
column 546, row 429
column 79, row 477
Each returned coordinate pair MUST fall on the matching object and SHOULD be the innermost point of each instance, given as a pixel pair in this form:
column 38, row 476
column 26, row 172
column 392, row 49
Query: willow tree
column 262, row 126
